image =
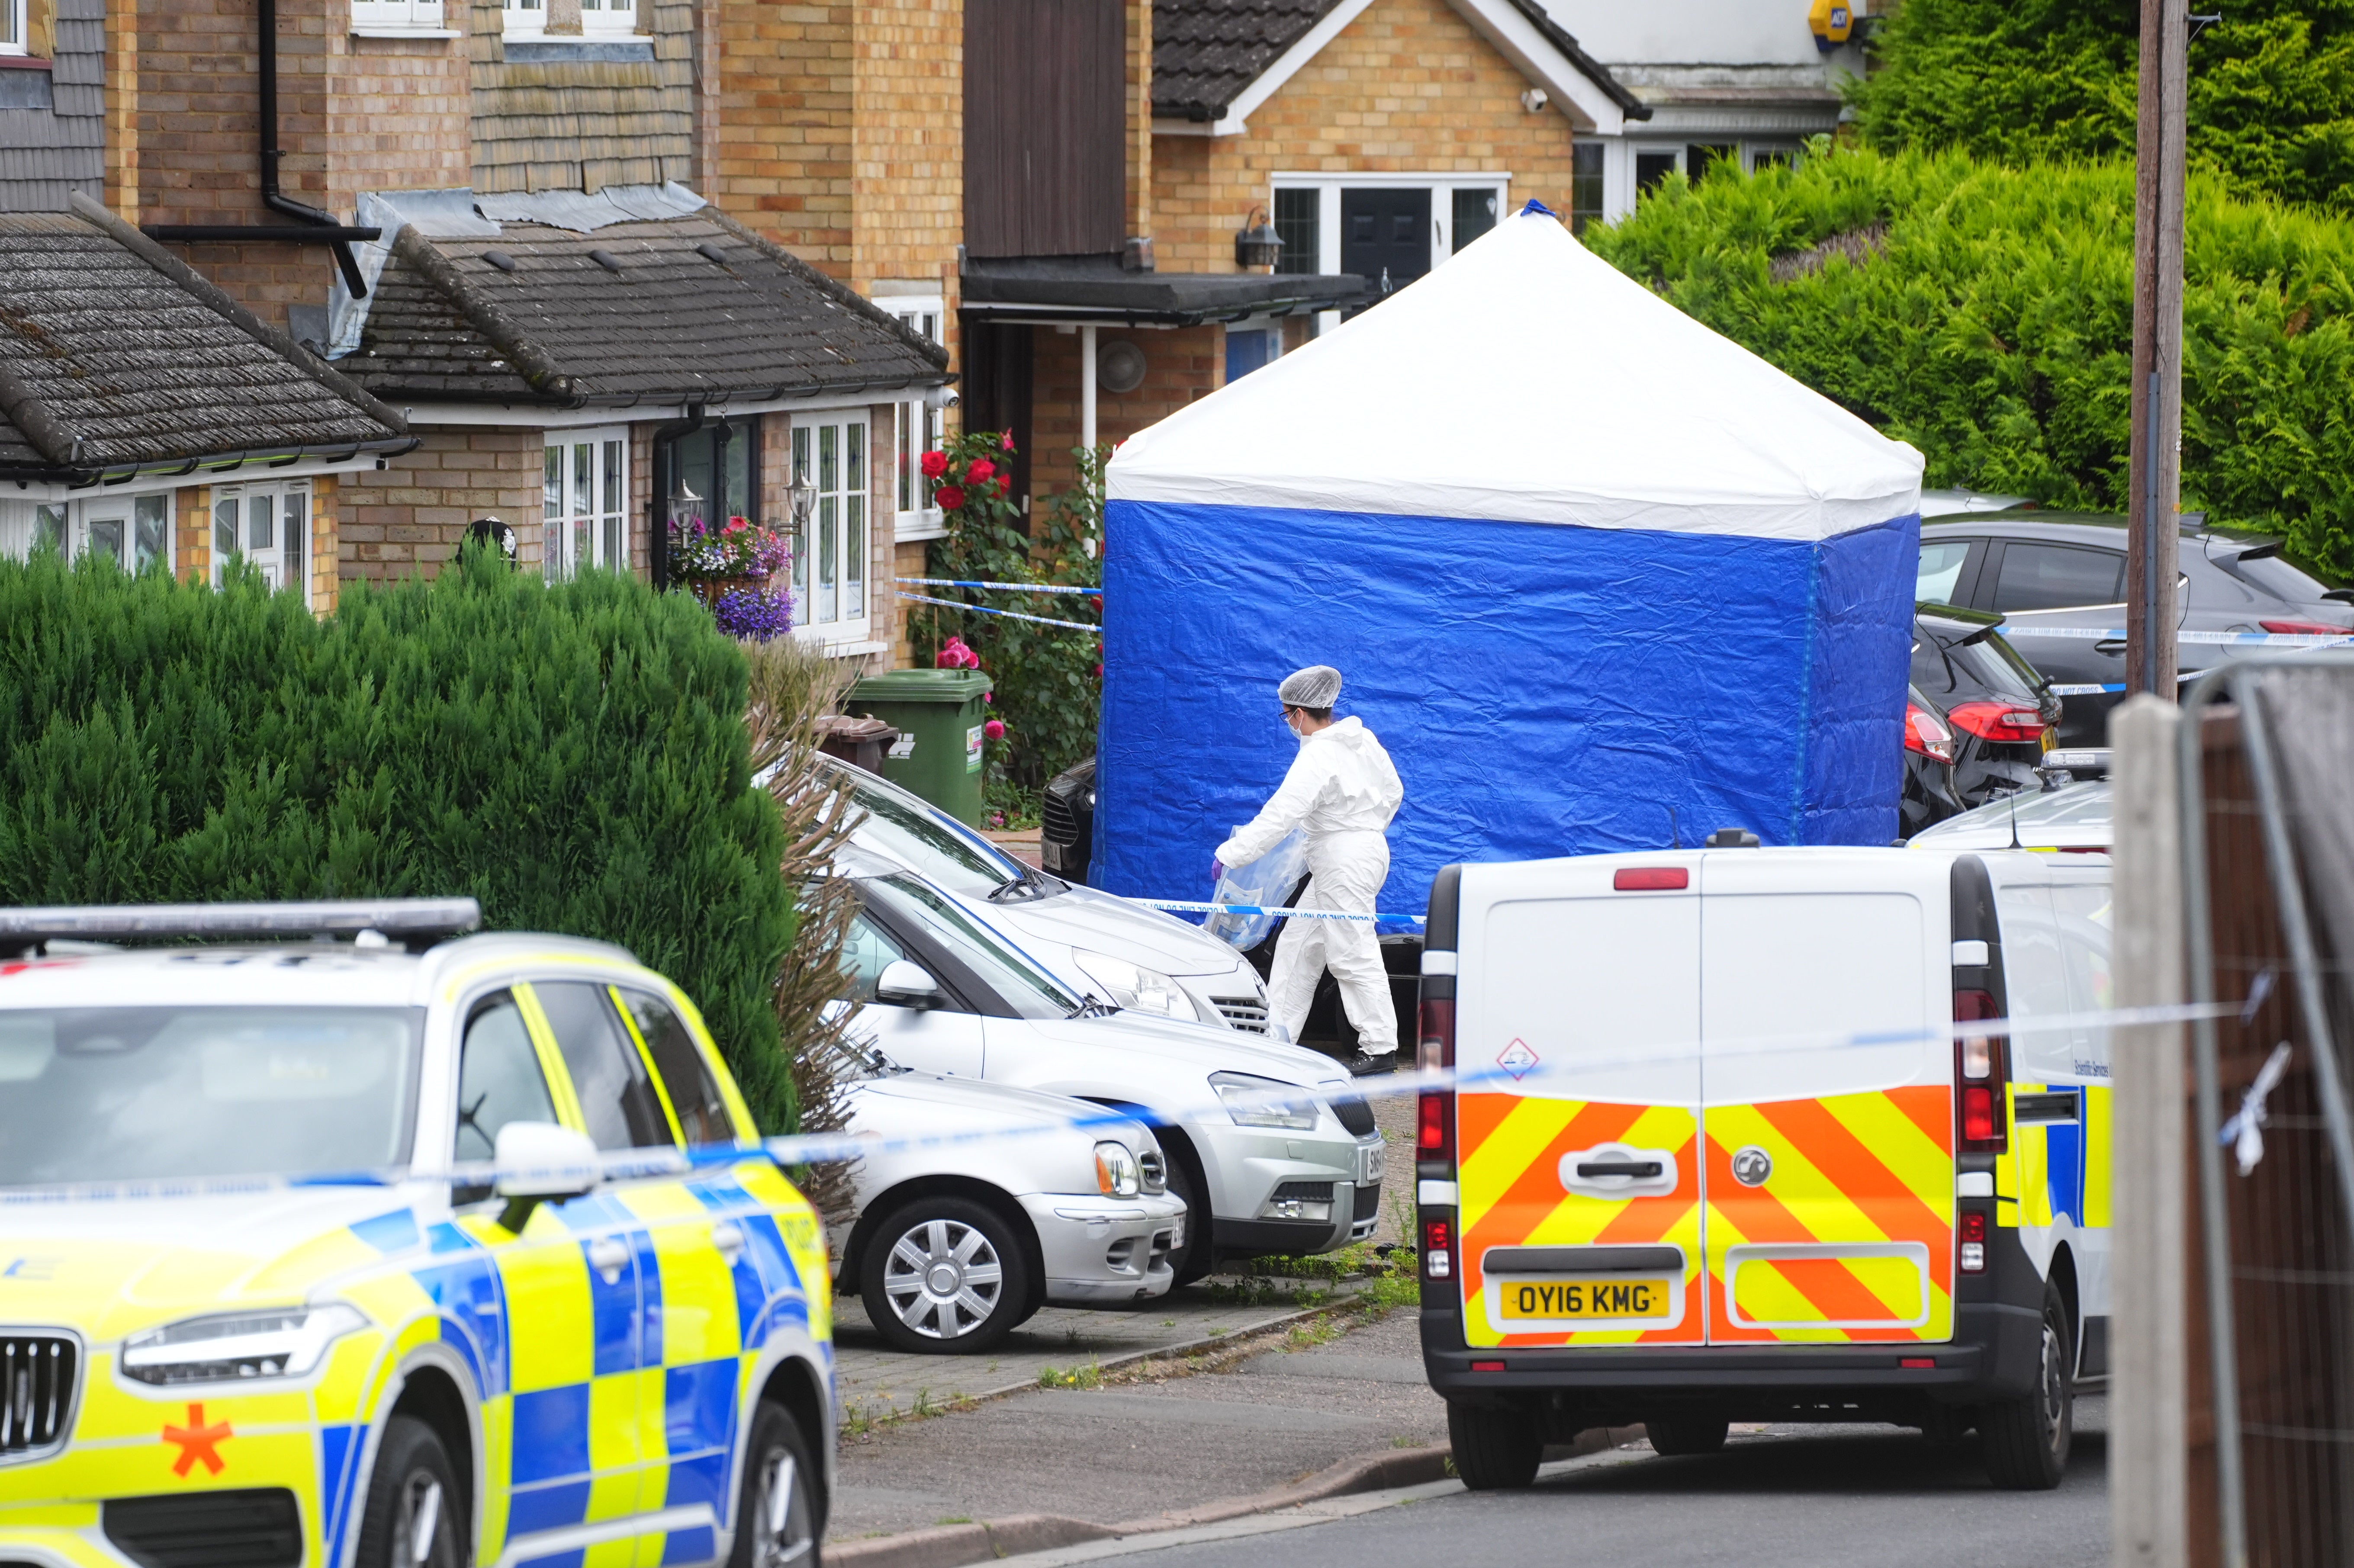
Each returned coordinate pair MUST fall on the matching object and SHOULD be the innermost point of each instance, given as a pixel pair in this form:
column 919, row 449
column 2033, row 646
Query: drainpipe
column 317, row 228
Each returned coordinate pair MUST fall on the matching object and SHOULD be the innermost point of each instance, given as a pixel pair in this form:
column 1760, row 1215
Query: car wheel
column 777, row 1520
column 1686, row 1434
column 2025, row 1441
column 1198, row 1256
column 415, row 1512
column 944, row 1277
column 1496, row 1448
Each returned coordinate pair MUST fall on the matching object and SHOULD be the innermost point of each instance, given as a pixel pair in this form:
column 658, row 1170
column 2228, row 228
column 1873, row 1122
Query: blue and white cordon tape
column 2226, row 639
column 1192, row 907
column 1001, row 587
column 1008, row 614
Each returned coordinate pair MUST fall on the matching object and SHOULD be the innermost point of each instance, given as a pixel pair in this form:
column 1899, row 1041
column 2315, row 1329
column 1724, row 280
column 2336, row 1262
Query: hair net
column 1314, row 687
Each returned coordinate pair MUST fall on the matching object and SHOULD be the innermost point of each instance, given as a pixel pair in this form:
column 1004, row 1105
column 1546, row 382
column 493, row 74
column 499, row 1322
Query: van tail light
column 1981, row 1078
column 1438, row 1249
column 1434, row 1123
column 1973, row 1237
column 2007, row 723
column 2302, row 628
column 1924, row 733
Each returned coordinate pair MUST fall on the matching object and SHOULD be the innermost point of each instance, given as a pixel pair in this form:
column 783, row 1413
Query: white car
column 1269, row 1146
column 1139, row 959
column 2072, row 819
column 955, row 1243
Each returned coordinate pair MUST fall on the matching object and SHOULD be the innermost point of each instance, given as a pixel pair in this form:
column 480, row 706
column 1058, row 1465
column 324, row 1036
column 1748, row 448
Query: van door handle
column 2112, row 646
column 608, row 1256
column 1638, row 1169
column 727, row 1237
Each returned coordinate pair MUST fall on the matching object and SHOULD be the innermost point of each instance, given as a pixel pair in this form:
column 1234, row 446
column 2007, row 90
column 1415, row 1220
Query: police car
column 1730, row 1160
column 243, row 1321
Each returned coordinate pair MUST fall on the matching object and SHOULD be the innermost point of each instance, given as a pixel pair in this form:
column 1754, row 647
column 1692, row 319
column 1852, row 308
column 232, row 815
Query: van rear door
column 1578, row 1161
column 1829, row 1163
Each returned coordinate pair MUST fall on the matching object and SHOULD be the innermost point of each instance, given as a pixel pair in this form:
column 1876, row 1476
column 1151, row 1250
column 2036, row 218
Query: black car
column 1066, row 818
column 2067, row 571
column 1999, row 714
column 1929, row 794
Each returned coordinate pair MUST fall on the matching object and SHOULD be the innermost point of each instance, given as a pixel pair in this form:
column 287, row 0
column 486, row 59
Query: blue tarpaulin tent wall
column 1597, row 577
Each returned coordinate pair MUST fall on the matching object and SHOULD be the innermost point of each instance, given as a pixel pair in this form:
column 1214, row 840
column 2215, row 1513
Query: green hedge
column 1984, row 313
column 573, row 757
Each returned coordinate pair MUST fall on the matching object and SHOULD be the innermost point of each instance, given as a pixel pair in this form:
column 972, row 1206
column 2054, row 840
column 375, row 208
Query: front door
column 1386, row 237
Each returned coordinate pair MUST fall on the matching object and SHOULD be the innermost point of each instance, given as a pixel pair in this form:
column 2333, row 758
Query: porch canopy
column 1598, row 578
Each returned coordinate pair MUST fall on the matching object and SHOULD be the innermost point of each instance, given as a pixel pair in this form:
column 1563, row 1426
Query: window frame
column 1441, row 183
column 279, row 491
column 559, row 545
column 523, row 18
column 65, row 524
column 916, row 427
column 808, row 456
column 596, row 18
column 1990, row 575
column 16, row 28
column 399, row 18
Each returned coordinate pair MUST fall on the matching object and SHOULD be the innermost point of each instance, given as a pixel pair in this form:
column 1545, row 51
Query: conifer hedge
column 1984, row 314
column 574, row 757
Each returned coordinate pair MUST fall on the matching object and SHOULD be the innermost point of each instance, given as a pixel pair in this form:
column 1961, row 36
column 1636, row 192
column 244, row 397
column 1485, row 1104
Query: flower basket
column 709, row 589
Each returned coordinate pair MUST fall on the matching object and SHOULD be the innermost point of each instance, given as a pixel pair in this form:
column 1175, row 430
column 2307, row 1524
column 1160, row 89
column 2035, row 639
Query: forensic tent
column 1599, row 578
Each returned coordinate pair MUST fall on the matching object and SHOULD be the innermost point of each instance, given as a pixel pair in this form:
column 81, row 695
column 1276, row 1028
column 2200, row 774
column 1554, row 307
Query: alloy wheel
column 780, row 1513
column 943, row 1278
column 418, row 1536
column 2055, row 1403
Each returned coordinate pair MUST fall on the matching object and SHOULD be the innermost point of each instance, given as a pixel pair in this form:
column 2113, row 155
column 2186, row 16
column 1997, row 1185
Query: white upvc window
column 268, row 524
column 585, row 502
column 609, row 19
column 13, row 31
column 525, row 19
column 399, row 17
column 915, row 428
column 830, row 544
column 133, row 531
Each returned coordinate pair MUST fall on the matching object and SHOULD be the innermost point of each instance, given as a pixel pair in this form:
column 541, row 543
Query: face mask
column 1298, row 738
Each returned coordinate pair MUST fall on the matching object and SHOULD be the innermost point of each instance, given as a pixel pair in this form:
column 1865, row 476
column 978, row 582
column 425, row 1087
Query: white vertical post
column 1087, row 388
column 2148, row 1346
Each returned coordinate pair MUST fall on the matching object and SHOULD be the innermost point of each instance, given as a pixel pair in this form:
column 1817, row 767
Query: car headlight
column 1263, row 1102
column 285, row 1342
column 1115, row 1173
column 1134, row 987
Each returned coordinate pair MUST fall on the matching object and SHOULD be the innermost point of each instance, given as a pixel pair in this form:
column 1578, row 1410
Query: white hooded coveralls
column 1341, row 792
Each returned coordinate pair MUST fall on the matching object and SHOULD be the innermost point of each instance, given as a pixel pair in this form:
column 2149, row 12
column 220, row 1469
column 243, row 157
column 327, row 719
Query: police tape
column 1192, row 907
column 2227, row 638
column 1009, row 614
column 2087, row 689
column 1521, row 1072
column 1003, row 587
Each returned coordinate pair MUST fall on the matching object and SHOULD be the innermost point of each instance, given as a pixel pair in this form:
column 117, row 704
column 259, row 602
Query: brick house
column 343, row 168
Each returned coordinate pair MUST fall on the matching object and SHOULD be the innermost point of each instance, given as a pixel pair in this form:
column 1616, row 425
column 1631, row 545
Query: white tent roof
column 1528, row 380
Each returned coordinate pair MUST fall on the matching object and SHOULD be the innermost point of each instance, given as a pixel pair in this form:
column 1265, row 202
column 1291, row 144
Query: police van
column 1722, row 1155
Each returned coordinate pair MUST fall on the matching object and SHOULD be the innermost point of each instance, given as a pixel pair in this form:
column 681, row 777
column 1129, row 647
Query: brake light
column 2005, row 722
column 1438, row 1249
column 1973, row 1239
column 1925, row 734
column 1434, row 1125
column 1980, row 1076
column 2303, row 628
column 1651, row 879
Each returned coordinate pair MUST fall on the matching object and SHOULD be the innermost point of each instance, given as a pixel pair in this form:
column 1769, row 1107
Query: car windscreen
column 97, row 1093
column 914, row 834
column 1027, row 989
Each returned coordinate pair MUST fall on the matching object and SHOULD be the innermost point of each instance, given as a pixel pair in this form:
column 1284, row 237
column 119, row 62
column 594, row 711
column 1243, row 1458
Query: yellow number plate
column 1551, row 1301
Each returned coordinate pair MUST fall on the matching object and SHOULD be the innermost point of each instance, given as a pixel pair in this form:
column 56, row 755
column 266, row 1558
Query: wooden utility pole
column 2156, row 445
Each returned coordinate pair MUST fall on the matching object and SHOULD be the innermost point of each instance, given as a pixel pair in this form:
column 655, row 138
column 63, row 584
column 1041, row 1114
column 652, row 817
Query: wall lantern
column 1257, row 246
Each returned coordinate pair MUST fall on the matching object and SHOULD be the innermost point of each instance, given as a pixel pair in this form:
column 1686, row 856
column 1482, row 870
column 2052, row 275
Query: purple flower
column 744, row 613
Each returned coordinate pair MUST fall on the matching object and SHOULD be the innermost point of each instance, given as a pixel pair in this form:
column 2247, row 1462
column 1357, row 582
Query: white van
column 1728, row 1165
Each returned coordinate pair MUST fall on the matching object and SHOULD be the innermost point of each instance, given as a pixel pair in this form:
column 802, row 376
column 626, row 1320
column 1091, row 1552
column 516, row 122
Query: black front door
column 1386, row 237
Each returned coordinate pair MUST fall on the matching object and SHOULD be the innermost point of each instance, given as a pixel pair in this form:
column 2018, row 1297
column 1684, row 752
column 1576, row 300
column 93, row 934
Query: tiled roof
column 691, row 309
column 1205, row 52
column 112, row 353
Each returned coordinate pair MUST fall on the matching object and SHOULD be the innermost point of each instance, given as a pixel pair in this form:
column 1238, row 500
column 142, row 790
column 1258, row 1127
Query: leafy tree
column 1984, row 313
column 2271, row 92
column 574, row 757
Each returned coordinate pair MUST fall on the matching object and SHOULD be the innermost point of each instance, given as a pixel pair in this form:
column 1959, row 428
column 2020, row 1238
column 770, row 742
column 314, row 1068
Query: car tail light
column 2005, row 722
column 2303, row 629
column 1651, row 879
column 1973, row 1238
column 1438, row 1249
column 1924, row 733
column 1434, row 1125
column 1981, row 1078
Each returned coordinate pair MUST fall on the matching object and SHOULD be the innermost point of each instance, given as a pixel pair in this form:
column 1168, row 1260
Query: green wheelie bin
column 938, row 715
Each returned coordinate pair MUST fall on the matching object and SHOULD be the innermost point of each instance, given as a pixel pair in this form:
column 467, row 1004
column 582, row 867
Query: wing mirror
column 906, row 984
column 539, row 1162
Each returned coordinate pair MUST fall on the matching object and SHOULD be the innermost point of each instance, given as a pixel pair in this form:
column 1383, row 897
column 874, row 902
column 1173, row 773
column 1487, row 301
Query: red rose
column 980, row 472
column 934, row 464
column 948, row 495
column 1099, row 671
column 1004, row 484
column 994, row 730
column 989, row 697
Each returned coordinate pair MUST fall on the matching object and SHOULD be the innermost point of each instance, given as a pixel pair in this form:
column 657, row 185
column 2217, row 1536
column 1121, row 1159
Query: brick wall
column 192, row 532
column 1180, row 366
column 324, row 558
column 1406, row 87
column 414, row 515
